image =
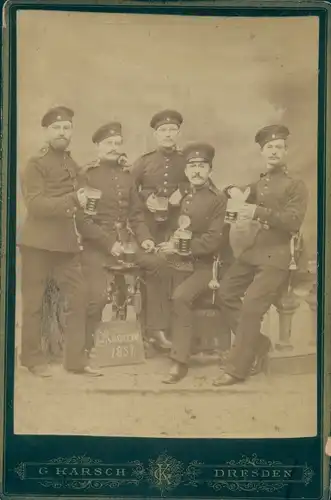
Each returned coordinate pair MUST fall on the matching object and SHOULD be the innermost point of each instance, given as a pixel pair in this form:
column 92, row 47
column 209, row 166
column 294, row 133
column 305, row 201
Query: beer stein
column 161, row 212
column 128, row 256
column 235, row 202
column 184, row 236
column 231, row 213
column 93, row 196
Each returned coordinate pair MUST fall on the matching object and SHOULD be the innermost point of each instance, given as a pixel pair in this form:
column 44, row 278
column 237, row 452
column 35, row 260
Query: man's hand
column 237, row 194
column 167, row 247
column 246, row 211
column 175, row 198
column 117, row 249
column 82, row 198
column 148, row 245
column 151, row 203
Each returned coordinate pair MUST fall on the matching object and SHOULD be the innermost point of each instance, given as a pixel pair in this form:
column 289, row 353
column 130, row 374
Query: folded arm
column 36, row 200
column 291, row 215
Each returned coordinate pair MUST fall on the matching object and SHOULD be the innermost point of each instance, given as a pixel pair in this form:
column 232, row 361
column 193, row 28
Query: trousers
column 65, row 268
column 183, row 298
column 245, row 295
column 156, row 303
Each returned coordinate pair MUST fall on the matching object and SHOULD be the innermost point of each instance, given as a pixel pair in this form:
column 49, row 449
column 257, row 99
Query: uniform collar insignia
column 42, row 151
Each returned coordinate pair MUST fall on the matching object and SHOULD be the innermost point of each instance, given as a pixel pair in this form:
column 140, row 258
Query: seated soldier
column 204, row 207
column 276, row 207
column 116, row 220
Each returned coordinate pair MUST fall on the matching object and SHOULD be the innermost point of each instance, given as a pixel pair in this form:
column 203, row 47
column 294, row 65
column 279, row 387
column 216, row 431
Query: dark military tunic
column 119, row 203
column 206, row 208
column 261, row 271
column 281, row 207
column 49, row 245
column 162, row 173
column 49, row 182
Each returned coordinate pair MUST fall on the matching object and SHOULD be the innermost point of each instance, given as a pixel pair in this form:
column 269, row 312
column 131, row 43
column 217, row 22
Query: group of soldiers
column 61, row 238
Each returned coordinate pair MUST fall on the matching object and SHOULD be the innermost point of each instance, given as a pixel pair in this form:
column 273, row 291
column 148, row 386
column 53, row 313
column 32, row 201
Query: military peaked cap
column 108, row 130
column 166, row 116
column 199, row 150
column 271, row 133
column 58, row 114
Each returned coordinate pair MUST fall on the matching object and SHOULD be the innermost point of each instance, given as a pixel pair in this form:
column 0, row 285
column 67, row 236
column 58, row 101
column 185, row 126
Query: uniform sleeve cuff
column 262, row 214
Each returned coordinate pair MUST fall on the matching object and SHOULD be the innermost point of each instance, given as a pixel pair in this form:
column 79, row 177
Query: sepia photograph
column 166, row 253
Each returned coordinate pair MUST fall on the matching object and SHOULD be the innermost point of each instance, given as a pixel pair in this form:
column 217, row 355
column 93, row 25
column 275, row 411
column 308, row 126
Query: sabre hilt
column 214, row 283
column 295, row 249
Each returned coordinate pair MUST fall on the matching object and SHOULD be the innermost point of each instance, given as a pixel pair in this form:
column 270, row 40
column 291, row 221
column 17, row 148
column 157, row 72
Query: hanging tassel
column 293, row 266
column 214, row 284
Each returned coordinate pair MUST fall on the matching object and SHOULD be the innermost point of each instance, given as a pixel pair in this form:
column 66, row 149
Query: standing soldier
column 204, row 206
column 278, row 203
column 50, row 245
column 161, row 182
column 118, row 211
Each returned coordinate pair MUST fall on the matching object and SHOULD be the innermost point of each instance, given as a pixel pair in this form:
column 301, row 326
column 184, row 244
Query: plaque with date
column 115, row 347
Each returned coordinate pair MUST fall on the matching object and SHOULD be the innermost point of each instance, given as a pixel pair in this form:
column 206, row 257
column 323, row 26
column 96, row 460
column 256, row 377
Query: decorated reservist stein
column 93, row 196
column 183, row 235
column 184, row 238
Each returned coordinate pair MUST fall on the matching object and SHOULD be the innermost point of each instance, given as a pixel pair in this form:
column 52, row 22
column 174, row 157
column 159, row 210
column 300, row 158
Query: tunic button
column 116, row 178
column 166, row 174
column 165, row 182
column 167, row 166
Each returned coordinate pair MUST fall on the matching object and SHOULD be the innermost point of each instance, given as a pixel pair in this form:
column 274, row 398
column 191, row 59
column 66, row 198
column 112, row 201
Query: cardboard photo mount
column 48, row 466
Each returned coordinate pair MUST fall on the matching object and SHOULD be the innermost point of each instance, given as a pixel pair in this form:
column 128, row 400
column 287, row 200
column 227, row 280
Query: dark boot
column 177, row 372
column 159, row 337
column 226, row 379
column 42, row 371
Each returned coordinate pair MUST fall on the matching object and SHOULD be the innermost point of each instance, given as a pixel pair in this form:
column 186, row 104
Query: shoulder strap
column 148, row 153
